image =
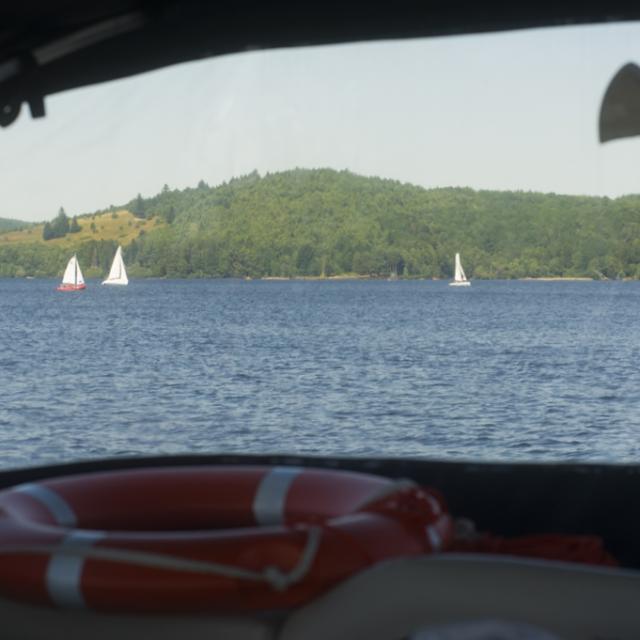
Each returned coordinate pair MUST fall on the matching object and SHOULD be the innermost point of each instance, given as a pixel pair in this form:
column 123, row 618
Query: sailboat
column 72, row 280
column 118, row 274
column 459, row 278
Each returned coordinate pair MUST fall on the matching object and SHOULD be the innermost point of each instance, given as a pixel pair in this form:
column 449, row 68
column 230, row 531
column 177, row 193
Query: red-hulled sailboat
column 72, row 280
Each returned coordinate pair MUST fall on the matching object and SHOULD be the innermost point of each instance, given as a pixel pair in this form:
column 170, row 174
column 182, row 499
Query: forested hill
column 324, row 222
column 8, row 224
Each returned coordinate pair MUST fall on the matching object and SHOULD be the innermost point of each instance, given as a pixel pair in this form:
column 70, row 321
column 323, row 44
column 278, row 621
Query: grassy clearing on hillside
column 124, row 228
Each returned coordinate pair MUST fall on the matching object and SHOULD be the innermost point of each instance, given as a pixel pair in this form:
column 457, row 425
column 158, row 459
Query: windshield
column 412, row 248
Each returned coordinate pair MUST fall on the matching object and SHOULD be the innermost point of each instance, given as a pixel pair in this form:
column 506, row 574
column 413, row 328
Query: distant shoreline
column 346, row 276
column 343, row 277
column 370, row 277
column 556, row 278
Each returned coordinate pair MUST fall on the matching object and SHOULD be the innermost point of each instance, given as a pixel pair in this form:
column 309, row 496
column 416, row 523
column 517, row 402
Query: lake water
column 502, row 370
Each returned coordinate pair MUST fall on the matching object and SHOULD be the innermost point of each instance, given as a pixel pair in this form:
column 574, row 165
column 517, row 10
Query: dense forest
column 322, row 222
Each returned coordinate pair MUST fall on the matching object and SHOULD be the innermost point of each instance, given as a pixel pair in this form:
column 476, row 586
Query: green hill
column 313, row 223
column 9, row 224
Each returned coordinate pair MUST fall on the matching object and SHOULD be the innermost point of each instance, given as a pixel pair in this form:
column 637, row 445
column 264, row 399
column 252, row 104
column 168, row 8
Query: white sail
column 459, row 277
column 118, row 273
column 73, row 274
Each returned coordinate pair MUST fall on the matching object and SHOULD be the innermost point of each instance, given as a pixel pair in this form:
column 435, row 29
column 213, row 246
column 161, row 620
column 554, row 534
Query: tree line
column 47, row 260
column 10, row 224
column 323, row 222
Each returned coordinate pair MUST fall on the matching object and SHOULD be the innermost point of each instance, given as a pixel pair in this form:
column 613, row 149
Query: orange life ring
column 206, row 538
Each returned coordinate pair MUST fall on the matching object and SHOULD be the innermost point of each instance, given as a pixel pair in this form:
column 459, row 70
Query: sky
column 508, row 111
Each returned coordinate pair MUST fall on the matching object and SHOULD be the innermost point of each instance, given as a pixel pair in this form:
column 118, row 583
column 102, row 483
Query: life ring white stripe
column 271, row 496
column 435, row 505
column 64, row 571
column 54, row 503
column 435, row 540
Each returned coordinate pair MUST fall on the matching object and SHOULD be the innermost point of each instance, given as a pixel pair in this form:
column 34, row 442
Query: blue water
column 503, row 370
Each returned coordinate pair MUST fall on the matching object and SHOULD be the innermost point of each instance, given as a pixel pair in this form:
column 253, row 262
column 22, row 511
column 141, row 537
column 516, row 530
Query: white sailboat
column 459, row 278
column 118, row 274
column 72, row 280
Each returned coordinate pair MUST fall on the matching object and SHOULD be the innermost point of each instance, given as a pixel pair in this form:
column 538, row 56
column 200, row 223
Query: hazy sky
column 502, row 111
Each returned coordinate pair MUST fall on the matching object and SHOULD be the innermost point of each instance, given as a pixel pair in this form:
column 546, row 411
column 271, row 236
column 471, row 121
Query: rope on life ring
column 274, row 576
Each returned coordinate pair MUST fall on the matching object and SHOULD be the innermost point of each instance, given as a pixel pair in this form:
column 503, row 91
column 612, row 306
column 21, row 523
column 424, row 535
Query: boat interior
column 50, row 46
column 397, row 598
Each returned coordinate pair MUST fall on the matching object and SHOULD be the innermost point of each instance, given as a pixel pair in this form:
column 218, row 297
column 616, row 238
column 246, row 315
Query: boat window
column 410, row 248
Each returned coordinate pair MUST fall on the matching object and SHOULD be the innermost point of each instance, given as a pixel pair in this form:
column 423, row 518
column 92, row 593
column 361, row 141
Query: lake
column 503, row 370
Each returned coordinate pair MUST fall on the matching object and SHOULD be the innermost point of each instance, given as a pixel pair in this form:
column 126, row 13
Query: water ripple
column 505, row 370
